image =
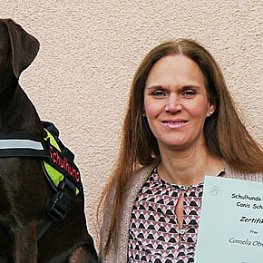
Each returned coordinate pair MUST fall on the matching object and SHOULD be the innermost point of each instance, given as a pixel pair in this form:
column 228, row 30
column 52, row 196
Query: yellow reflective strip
column 54, row 174
column 53, row 141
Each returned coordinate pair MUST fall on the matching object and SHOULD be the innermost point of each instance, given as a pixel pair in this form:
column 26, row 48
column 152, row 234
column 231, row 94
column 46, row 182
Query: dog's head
column 16, row 46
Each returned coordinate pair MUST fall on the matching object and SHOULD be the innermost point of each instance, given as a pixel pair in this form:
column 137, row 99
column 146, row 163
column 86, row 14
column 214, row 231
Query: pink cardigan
column 136, row 183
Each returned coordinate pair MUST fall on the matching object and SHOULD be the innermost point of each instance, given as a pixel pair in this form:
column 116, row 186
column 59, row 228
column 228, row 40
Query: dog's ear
column 24, row 47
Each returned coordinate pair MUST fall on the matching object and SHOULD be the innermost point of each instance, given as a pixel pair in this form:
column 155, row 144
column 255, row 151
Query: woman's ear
column 211, row 108
column 143, row 113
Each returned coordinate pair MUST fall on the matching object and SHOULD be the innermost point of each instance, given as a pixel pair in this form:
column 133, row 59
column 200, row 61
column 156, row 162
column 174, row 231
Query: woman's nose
column 173, row 104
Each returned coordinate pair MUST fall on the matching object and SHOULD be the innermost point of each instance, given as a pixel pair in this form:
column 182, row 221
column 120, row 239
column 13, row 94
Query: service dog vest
column 58, row 166
column 58, row 161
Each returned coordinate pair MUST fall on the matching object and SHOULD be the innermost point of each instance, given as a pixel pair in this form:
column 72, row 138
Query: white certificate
column 231, row 222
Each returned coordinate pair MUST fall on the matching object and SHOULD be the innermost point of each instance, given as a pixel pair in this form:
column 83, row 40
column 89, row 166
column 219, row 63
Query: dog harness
column 58, row 165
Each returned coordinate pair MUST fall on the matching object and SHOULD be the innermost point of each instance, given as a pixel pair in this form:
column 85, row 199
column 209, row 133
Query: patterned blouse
column 154, row 235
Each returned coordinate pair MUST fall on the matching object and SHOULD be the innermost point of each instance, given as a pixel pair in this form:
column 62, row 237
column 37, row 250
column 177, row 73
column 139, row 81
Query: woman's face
column 176, row 103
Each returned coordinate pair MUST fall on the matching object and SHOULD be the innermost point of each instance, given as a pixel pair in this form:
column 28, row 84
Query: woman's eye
column 159, row 93
column 188, row 93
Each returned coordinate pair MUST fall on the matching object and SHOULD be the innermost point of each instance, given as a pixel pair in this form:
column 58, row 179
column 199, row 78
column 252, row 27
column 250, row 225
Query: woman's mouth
column 174, row 124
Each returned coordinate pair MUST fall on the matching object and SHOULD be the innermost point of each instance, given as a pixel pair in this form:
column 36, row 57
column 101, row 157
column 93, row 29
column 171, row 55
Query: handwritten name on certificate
column 231, row 222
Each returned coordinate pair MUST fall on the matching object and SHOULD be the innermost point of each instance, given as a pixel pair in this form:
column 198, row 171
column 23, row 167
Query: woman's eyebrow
column 190, row 87
column 154, row 87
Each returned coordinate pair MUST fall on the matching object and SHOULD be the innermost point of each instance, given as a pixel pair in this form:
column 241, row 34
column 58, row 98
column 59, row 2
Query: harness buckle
column 59, row 205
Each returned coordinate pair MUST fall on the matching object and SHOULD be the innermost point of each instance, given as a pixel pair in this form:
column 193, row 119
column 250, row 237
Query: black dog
column 25, row 193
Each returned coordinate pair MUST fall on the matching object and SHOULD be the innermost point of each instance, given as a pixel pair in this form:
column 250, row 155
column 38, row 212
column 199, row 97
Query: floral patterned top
column 154, row 234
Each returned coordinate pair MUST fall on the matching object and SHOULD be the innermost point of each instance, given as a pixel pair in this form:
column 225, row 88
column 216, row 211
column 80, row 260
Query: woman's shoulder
column 135, row 183
column 141, row 174
column 231, row 172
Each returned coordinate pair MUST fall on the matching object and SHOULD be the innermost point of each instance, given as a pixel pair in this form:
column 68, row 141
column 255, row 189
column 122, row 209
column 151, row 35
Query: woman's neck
column 188, row 167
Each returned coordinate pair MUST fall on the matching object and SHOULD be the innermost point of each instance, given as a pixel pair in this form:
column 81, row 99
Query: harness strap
column 20, row 144
column 58, row 206
column 63, row 175
column 43, row 227
column 10, row 147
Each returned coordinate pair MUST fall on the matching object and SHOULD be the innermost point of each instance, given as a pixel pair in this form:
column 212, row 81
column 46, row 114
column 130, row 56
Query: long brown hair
column 225, row 134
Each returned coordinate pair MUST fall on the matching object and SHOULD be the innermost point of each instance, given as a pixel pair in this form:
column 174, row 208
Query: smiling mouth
column 174, row 124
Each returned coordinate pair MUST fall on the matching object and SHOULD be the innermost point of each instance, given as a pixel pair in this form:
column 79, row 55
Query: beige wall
column 90, row 49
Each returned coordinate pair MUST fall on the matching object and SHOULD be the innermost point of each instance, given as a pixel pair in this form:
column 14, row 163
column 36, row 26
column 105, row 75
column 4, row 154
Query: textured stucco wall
column 90, row 49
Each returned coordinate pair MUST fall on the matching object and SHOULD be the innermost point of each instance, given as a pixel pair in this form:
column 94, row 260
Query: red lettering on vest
column 63, row 164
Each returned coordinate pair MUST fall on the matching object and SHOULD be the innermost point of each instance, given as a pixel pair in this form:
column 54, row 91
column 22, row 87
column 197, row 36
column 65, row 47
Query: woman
column 181, row 125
